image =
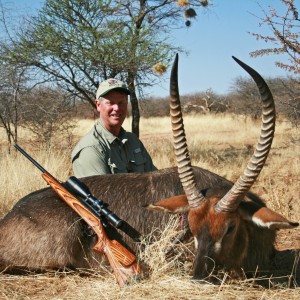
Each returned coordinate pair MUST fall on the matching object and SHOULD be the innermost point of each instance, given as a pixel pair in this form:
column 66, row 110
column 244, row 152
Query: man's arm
column 88, row 162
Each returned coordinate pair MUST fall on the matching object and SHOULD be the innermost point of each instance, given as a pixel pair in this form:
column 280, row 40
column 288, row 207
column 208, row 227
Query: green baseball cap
column 109, row 85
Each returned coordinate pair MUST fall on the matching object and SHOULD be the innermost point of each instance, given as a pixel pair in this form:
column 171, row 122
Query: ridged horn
column 185, row 171
column 234, row 196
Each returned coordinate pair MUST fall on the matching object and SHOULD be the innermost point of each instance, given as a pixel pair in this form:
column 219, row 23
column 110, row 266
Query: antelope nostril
column 204, row 268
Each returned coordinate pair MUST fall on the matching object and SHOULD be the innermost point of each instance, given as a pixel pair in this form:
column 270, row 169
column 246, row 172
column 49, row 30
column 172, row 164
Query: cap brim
column 120, row 89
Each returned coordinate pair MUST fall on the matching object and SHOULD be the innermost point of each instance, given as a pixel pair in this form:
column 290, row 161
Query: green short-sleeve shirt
column 100, row 152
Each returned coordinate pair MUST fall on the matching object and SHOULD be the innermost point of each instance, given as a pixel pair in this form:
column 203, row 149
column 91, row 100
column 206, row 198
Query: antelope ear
column 265, row 217
column 172, row 205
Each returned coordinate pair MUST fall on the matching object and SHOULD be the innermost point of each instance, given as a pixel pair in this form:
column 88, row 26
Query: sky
column 216, row 34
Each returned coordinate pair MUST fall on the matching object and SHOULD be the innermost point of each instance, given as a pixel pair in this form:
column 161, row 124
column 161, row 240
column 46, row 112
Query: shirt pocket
column 137, row 163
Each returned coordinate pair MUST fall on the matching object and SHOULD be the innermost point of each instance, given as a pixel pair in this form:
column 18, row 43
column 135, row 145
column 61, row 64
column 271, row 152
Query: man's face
column 113, row 109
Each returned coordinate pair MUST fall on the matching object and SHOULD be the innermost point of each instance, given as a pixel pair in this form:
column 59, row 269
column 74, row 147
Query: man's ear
column 264, row 217
column 97, row 103
column 172, row 205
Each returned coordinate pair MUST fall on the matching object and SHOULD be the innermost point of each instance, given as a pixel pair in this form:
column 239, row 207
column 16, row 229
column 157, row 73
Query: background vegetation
column 71, row 45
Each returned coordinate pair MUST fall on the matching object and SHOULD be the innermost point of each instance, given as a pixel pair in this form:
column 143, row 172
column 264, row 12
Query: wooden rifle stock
column 122, row 261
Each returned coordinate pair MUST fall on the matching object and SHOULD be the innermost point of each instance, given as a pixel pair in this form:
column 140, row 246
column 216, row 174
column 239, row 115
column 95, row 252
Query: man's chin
column 116, row 122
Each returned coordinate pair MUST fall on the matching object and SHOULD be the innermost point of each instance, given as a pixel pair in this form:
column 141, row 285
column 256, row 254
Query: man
column 108, row 148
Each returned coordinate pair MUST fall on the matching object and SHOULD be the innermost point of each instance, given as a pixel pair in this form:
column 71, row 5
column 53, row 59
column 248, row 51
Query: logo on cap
column 112, row 82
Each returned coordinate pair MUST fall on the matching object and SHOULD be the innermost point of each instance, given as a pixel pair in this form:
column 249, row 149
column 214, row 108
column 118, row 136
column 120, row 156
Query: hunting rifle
column 94, row 211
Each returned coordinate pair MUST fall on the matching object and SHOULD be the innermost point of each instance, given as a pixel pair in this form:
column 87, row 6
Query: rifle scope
column 74, row 185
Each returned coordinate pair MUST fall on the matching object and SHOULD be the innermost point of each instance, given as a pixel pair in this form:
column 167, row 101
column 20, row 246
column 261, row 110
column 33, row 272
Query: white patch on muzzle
column 217, row 247
column 196, row 243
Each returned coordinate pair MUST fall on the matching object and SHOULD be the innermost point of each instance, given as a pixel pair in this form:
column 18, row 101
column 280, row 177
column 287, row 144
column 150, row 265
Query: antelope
column 231, row 228
column 230, row 225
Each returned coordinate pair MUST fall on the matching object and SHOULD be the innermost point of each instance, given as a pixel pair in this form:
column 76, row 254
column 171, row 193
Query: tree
column 77, row 43
column 285, row 38
column 245, row 98
column 46, row 114
column 12, row 85
column 285, row 35
column 286, row 95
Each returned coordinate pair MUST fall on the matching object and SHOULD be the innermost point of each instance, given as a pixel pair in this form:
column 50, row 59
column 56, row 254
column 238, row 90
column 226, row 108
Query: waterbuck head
column 232, row 229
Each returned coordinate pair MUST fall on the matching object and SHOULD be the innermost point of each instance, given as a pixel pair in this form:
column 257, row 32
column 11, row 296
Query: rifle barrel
column 31, row 159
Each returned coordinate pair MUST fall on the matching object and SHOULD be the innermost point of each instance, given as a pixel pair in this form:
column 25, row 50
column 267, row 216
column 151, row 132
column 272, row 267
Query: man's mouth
column 115, row 116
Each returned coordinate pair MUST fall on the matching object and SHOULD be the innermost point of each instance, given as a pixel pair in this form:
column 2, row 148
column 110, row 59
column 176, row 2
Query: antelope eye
column 230, row 229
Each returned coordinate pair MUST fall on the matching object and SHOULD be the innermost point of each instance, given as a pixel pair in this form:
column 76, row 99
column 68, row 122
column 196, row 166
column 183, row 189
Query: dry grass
column 222, row 144
column 167, row 287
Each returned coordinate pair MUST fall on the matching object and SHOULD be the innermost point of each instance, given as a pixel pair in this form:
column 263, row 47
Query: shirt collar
column 108, row 135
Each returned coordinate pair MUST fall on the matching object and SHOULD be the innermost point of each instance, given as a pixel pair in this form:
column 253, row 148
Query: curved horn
column 185, row 171
column 234, row 196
